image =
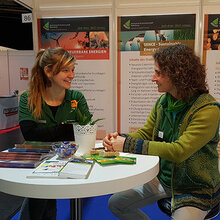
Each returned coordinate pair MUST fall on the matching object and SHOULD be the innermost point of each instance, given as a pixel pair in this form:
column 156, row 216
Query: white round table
column 103, row 180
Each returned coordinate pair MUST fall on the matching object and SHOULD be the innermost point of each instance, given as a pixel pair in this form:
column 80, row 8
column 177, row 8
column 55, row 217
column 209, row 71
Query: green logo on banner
column 215, row 22
column 46, row 26
column 127, row 24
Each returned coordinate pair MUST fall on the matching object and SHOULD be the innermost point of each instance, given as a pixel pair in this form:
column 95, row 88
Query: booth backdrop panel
column 88, row 39
column 20, row 64
column 4, row 78
column 138, row 38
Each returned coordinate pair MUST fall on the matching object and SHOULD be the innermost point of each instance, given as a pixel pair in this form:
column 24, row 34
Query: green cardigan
column 195, row 179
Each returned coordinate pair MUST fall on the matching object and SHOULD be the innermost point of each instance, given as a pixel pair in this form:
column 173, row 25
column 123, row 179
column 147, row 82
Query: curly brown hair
column 184, row 69
column 54, row 59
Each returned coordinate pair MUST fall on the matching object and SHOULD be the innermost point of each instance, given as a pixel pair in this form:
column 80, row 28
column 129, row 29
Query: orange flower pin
column 74, row 103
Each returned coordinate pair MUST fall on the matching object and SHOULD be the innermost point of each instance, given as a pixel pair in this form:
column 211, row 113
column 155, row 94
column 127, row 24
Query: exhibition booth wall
column 113, row 42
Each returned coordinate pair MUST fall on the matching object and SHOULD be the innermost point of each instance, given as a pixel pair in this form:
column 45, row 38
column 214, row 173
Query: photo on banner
column 211, row 53
column 87, row 38
column 138, row 38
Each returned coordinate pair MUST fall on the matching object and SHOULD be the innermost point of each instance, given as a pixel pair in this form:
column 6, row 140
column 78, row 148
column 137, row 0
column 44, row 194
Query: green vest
column 196, row 180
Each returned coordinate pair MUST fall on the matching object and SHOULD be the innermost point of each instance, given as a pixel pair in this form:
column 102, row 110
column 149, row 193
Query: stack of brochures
column 33, row 146
column 22, row 159
column 27, row 155
column 74, row 168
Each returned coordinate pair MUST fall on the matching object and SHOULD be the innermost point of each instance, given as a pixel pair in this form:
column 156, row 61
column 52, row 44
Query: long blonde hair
column 54, row 59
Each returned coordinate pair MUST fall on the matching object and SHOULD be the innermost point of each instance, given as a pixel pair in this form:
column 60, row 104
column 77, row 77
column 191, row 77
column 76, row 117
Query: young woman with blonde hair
column 46, row 111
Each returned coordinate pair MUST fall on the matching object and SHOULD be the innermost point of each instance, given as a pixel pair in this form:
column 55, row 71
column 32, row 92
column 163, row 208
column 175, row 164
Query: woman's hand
column 107, row 140
column 114, row 142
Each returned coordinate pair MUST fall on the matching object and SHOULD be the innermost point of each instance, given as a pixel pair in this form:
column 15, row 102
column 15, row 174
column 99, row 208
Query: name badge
column 160, row 134
column 42, row 121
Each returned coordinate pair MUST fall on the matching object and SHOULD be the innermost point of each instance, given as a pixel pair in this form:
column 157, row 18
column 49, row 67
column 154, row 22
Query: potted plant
column 84, row 130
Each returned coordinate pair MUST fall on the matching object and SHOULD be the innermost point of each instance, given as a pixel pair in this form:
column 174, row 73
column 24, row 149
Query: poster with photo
column 139, row 37
column 211, row 53
column 87, row 38
column 24, row 73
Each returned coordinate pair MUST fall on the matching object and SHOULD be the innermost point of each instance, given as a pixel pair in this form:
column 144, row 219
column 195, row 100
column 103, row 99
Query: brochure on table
column 75, row 168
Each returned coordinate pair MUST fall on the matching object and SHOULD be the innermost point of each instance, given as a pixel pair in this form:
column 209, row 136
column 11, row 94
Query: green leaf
column 83, row 119
column 99, row 119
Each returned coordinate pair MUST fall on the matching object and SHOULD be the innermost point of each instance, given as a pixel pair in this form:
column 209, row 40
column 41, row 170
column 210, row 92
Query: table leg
column 76, row 209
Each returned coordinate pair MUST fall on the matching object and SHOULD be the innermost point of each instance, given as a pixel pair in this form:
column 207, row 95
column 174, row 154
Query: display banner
column 211, row 53
column 138, row 38
column 87, row 38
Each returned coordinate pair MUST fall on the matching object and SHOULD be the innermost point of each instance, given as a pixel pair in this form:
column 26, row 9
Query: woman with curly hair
column 182, row 129
column 46, row 113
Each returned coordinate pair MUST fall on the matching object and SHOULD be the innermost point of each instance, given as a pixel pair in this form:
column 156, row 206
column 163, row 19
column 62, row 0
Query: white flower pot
column 85, row 137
